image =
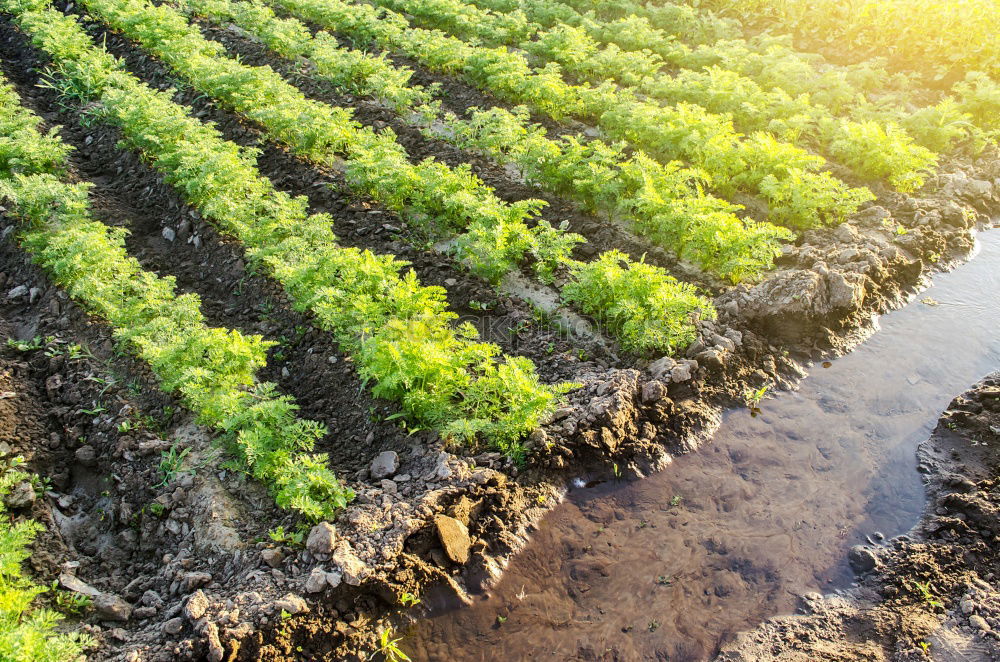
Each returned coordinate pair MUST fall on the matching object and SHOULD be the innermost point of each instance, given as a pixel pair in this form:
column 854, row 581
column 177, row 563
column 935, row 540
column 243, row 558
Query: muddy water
column 672, row 566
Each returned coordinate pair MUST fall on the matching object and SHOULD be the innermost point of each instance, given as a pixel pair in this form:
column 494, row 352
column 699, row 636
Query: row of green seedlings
column 399, row 333
column 770, row 87
column 697, row 39
column 790, row 179
column 871, row 151
column 698, row 25
column 212, row 370
column 665, row 203
column 931, row 39
column 443, row 200
column 27, row 631
column 496, row 240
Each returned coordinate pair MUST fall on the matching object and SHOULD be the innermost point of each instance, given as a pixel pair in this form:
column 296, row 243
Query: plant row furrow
column 666, row 204
column 213, row 370
column 931, row 39
column 789, row 178
column 865, row 90
column 872, row 151
column 496, row 236
column 398, row 332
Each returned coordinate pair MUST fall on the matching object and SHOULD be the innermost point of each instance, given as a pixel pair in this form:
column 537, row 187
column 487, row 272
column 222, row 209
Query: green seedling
column 927, row 593
column 171, row 462
column 31, row 345
column 389, row 647
column 754, row 397
column 69, row 602
column 289, row 538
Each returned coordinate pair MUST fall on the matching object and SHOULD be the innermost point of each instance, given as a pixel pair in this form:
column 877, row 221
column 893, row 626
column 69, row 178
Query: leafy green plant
column 27, row 632
column 69, row 602
column 646, row 309
column 753, row 398
column 389, row 647
column 927, row 594
column 171, row 463
column 289, row 538
column 31, row 345
column 876, row 152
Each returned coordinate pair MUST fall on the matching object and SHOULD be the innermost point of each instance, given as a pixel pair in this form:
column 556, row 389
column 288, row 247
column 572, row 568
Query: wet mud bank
column 933, row 593
column 739, row 531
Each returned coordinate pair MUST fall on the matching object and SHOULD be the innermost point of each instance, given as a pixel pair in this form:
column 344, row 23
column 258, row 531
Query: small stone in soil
column 316, row 581
column 292, row 604
column 196, row 606
column 272, row 557
column 321, row 538
column 384, row 465
column 352, row 568
column 861, row 559
column 86, row 455
column 111, row 608
column 454, row 538
column 173, row 626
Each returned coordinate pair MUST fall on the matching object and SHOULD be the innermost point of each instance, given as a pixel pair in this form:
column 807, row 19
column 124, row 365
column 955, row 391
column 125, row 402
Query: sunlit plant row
column 664, row 203
column 789, row 178
column 399, row 332
column 935, row 39
column 872, row 151
column 862, row 91
column 496, row 238
column 213, row 370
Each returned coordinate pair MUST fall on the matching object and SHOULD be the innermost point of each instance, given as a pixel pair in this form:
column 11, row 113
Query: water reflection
column 672, row 566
